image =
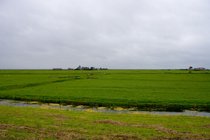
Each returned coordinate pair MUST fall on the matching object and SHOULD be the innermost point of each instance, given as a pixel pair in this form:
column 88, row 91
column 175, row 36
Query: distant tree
column 78, row 68
column 92, row 68
column 190, row 69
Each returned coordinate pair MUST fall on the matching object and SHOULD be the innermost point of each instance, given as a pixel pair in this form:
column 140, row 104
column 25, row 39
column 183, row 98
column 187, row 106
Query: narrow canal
column 97, row 109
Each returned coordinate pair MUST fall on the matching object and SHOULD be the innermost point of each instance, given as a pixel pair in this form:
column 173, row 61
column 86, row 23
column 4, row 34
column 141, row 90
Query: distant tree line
column 82, row 68
column 89, row 68
column 197, row 69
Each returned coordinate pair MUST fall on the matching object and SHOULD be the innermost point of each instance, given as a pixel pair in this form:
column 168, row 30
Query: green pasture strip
column 168, row 90
column 35, row 123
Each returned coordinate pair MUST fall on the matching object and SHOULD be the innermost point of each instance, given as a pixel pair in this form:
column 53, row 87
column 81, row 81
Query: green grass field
column 35, row 123
column 170, row 90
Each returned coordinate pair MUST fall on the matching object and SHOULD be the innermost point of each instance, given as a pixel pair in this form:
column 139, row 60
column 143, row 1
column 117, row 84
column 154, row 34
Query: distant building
column 199, row 68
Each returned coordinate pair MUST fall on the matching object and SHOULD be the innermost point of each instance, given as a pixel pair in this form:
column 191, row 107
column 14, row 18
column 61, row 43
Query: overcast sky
column 104, row 33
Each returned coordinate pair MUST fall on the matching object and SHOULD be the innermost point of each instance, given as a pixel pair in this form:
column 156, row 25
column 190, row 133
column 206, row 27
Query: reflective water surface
column 97, row 109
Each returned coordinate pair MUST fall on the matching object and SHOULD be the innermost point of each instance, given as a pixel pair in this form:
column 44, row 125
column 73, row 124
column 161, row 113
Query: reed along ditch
column 97, row 109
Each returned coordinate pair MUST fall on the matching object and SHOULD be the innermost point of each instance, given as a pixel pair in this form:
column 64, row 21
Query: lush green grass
column 172, row 90
column 33, row 123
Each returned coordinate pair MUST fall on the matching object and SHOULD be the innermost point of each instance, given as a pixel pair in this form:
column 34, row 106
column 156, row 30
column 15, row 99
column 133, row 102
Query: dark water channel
column 97, row 109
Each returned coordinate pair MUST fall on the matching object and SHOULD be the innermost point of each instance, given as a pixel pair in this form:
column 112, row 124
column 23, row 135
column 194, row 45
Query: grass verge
column 35, row 123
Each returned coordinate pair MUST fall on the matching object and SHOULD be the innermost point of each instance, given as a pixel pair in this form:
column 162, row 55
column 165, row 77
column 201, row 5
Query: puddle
column 97, row 109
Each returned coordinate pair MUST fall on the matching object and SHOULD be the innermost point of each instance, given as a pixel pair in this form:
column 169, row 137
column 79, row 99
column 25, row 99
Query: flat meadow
column 162, row 90
column 165, row 90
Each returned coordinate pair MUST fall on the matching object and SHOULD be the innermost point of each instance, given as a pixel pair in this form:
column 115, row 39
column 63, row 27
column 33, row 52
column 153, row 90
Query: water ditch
column 97, row 109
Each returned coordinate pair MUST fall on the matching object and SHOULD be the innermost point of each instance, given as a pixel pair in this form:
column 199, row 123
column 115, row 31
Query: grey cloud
column 107, row 33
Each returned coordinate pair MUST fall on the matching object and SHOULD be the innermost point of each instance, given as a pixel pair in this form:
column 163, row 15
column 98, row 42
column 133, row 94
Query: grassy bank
column 168, row 90
column 34, row 123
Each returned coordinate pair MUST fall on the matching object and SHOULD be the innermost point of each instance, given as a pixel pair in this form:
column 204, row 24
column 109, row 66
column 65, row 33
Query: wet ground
column 97, row 109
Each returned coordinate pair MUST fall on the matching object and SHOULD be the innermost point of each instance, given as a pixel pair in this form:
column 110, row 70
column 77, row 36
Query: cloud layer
column 104, row 33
